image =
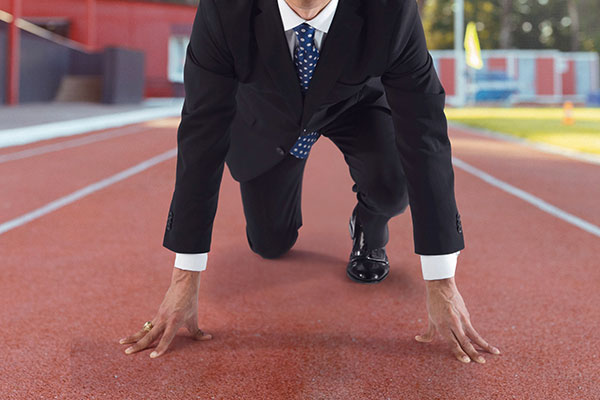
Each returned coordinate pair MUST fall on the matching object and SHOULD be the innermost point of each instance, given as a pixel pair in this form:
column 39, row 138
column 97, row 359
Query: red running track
column 77, row 279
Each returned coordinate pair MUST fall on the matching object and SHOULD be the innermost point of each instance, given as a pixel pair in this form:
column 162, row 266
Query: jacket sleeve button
column 280, row 151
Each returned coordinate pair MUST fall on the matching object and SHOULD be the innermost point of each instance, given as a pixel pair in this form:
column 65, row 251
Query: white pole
column 459, row 53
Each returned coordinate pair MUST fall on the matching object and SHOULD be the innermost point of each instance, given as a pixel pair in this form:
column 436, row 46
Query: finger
column 428, row 336
column 197, row 333
column 146, row 341
column 201, row 335
column 466, row 345
column 455, row 346
column 481, row 342
column 165, row 340
column 133, row 338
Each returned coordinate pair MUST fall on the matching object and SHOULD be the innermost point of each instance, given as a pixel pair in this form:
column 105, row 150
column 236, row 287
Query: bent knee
column 272, row 246
column 390, row 200
column 270, row 253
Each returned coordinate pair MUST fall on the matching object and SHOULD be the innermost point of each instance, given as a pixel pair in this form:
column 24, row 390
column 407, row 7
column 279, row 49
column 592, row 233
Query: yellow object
column 568, row 113
column 472, row 48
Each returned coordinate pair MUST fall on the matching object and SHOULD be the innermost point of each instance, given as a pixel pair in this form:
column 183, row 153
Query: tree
column 574, row 15
column 521, row 24
column 589, row 27
column 506, row 25
column 438, row 22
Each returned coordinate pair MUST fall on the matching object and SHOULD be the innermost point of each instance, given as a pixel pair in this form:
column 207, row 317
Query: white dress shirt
column 432, row 267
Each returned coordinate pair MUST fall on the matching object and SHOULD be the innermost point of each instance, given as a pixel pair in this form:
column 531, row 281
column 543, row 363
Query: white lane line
column 18, row 155
column 30, row 134
column 94, row 187
column 83, row 192
column 528, row 197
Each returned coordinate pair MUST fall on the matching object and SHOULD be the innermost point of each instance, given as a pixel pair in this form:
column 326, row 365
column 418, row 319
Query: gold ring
column 148, row 325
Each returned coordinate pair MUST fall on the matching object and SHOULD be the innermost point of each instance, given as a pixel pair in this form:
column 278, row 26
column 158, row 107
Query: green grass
column 537, row 124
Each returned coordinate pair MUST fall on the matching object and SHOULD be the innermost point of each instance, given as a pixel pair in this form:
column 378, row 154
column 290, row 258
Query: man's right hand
column 179, row 308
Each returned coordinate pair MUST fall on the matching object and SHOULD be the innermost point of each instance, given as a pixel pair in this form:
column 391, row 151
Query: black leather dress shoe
column 365, row 266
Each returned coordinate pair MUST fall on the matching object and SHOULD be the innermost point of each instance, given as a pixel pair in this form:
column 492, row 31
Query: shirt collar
column 321, row 22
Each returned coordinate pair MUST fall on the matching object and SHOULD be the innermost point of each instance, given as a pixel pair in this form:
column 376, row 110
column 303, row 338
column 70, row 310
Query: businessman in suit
column 264, row 80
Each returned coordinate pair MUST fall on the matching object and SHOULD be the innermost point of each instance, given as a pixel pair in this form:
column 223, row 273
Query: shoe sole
column 365, row 282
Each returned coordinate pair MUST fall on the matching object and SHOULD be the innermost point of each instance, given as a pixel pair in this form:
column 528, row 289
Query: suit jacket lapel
column 275, row 53
column 340, row 42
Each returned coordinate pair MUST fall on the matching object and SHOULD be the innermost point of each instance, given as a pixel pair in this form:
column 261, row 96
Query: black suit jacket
column 243, row 104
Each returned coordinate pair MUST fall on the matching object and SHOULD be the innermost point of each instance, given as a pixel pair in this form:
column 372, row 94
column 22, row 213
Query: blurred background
column 90, row 101
column 523, row 53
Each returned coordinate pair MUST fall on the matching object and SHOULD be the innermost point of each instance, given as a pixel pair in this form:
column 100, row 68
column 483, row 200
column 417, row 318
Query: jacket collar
column 341, row 41
column 321, row 22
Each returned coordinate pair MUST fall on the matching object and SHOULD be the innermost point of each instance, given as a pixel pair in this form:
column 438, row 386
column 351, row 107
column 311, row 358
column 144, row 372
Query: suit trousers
column 365, row 136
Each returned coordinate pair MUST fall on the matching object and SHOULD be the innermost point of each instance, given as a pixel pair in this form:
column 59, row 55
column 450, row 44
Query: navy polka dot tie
column 306, row 56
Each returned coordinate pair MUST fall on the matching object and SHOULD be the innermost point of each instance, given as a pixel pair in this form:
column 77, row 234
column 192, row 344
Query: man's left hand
column 449, row 316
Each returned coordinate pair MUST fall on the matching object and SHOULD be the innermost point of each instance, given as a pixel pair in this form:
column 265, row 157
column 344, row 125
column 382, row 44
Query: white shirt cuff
column 191, row 262
column 439, row 267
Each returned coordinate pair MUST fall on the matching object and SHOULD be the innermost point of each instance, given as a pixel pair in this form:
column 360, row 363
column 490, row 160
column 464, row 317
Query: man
column 264, row 79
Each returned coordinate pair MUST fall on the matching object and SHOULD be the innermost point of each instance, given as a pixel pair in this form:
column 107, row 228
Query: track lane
column 33, row 151
column 169, row 121
column 571, row 185
column 295, row 328
column 31, row 182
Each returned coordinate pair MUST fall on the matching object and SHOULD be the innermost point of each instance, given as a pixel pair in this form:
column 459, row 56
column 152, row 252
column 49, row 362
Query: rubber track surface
column 76, row 280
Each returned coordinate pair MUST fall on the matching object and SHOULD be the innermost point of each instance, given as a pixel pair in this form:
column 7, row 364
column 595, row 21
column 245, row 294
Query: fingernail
column 466, row 359
column 481, row 360
column 154, row 354
column 128, row 350
column 495, row 350
column 122, row 341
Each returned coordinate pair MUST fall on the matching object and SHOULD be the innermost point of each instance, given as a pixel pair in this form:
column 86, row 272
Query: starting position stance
column 264, row 80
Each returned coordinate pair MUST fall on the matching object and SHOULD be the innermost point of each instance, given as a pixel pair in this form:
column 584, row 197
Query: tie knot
column 304, row 31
